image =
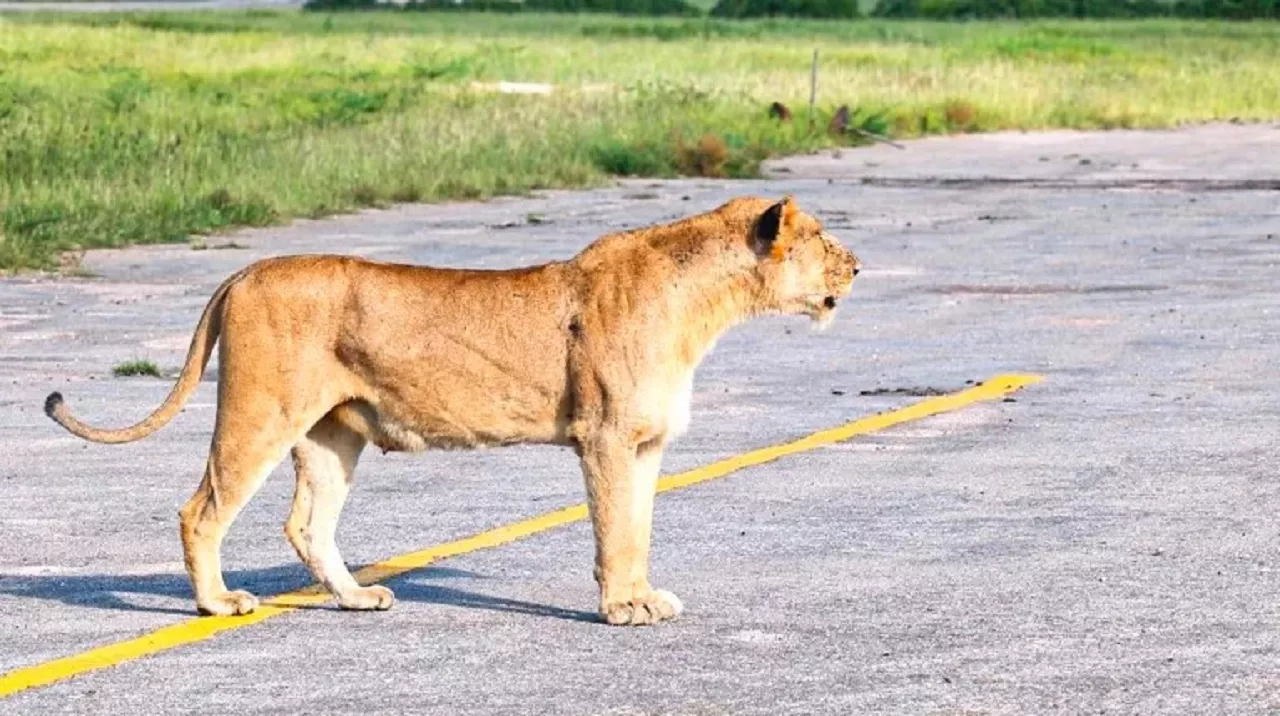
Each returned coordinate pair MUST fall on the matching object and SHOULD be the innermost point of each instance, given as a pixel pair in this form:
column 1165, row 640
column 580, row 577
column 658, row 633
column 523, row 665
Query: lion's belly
column 458, row 415
column 486, row 420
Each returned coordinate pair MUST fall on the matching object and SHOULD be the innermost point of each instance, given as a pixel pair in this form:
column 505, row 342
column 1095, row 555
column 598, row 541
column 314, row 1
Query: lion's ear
column 775, row 229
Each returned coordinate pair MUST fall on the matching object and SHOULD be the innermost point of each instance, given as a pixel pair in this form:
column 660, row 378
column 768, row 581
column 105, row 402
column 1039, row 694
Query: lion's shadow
column 102, row 591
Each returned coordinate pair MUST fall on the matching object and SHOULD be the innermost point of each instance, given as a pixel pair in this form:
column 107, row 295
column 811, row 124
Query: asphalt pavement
column 1104, row 542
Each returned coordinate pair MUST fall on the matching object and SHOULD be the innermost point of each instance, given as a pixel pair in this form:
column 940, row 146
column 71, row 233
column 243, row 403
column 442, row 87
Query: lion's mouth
column 821, row 303
column 822, row 310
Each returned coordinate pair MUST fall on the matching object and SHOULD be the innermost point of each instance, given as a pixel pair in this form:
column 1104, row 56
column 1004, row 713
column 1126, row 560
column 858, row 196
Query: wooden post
column 813, row 88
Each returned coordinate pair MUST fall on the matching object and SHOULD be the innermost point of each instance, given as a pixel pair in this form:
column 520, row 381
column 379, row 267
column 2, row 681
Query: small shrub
column 704, row 159
column 623, row 159
column 219, row 199
column 136, row 368
column 222, row 208
column 364, row 195
column 960, row 115
column 407, row 194
column 344, row 106
column 932, row 121
column 460, row 189
column 451, row 69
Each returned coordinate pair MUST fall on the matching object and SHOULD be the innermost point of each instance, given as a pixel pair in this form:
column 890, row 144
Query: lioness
column 322, row 355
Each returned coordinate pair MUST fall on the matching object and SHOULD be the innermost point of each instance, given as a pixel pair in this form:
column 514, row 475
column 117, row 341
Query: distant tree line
column 619, row 7
column 1102, row 9
column 786, row 8
column 925, row 9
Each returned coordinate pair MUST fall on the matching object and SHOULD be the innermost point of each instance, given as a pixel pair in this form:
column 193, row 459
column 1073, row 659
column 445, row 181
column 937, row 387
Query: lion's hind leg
column 239, row 462
column 325, row 460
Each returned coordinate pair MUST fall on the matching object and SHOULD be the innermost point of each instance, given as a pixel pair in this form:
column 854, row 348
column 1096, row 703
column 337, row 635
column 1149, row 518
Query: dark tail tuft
column 52, row 402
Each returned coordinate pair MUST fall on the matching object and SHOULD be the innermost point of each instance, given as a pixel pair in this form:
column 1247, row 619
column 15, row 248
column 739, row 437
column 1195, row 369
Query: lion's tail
column 202, row 342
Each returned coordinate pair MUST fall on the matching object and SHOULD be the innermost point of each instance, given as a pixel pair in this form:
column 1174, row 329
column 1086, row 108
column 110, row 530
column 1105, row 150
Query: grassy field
column 151, row 127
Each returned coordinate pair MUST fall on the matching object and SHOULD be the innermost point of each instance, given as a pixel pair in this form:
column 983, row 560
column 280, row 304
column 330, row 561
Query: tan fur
column 320, row 355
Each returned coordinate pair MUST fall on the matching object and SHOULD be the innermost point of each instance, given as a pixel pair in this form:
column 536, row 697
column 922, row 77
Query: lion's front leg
column 621, row 483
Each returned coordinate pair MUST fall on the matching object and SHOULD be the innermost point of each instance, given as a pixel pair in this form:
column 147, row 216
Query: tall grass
column 150, row 127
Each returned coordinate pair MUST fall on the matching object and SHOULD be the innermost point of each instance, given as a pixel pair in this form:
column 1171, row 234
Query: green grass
column 135, row 368
column 119, row 129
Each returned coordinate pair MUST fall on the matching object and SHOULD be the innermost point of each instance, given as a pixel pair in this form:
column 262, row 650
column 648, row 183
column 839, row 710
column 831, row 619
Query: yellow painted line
column 202, row 628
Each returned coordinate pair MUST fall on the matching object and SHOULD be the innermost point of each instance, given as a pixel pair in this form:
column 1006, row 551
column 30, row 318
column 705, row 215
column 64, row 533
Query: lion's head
column 805, row 270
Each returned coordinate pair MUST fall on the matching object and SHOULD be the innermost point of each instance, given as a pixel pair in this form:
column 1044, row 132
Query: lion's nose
column 857, row 266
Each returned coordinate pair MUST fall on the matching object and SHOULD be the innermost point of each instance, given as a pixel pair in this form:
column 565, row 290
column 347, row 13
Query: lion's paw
column 229, row 604
column 374, row 597
column 657, row 606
